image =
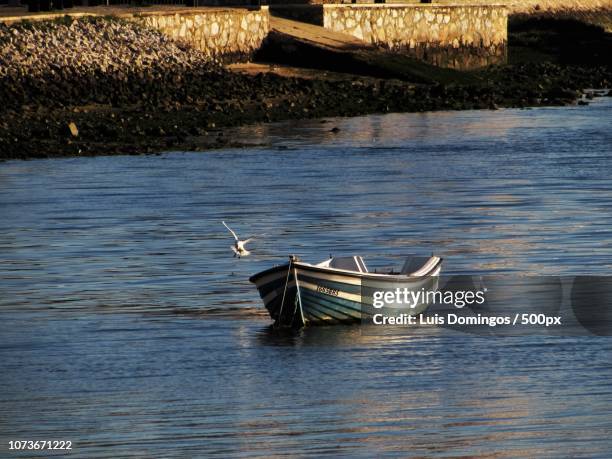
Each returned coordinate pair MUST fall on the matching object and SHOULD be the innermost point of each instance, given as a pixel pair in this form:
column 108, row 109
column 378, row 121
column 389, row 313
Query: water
column 127, row 328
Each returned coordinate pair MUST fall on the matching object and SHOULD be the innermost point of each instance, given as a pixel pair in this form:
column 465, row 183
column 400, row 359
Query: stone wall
column 596, row 12
column 462, row 37
column 229, row 35
column 537, row 6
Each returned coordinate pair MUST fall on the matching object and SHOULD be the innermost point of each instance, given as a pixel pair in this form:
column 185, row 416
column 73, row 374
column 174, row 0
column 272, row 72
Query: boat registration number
column 327, row 290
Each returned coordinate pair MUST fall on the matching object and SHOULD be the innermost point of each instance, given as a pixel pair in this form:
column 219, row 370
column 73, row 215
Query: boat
column 341, row 289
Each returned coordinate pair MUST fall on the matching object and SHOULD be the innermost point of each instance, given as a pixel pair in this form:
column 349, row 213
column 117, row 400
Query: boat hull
column 298, row 293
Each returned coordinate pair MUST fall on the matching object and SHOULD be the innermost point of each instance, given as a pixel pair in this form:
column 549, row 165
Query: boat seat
column 414, row 264
column 355, row 264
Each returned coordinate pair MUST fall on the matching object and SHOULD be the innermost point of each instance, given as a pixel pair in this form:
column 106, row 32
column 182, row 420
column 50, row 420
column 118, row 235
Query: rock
column 335, row 130
column 72, row 128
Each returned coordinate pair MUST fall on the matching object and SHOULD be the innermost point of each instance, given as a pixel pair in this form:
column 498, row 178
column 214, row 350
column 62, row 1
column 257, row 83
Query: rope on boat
column 279, row 319
column 299, row 298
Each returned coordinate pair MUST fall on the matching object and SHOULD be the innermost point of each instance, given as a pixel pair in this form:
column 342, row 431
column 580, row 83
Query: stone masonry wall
column 229, row 35
column 552, row 6
column 462, row 37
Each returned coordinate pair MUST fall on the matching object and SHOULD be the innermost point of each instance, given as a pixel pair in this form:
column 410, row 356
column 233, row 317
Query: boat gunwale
column 255, row 277
column 373, row 276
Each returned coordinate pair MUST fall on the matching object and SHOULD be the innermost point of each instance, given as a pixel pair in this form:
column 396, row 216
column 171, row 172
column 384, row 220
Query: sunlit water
column 127, row 327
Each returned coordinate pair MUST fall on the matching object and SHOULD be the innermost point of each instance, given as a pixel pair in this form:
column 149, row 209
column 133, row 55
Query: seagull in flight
column 238, row 248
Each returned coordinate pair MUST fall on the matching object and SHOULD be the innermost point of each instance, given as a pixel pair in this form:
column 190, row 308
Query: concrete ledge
column 10, row 15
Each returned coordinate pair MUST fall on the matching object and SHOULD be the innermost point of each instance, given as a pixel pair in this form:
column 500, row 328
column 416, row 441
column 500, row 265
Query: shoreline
column 150, row 107
column 196, row 139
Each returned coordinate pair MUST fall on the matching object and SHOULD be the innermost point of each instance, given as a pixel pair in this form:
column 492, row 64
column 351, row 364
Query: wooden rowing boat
column 339, row 289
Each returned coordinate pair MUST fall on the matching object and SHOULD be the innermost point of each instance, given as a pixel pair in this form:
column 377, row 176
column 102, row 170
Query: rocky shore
column 104, row 86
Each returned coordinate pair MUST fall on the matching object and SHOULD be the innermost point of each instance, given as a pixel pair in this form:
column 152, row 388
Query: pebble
column 95, row 60
column 74, row 131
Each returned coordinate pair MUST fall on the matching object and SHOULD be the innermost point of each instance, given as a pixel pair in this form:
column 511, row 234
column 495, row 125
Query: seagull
column 238, row 248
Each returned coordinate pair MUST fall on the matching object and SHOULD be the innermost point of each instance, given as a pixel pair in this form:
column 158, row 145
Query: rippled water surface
column 127, row 327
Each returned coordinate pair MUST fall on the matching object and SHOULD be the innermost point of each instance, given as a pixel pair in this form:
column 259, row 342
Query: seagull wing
column 230, row 230
column 247, row 241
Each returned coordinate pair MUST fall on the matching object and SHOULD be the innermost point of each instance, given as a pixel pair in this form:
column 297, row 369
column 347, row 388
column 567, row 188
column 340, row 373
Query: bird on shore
column 238, row 248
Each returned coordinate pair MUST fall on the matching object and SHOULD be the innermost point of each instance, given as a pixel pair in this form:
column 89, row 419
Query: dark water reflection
column 127, row 328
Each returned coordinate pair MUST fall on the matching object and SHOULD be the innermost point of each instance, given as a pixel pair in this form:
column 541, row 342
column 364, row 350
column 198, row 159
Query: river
column 128, row 328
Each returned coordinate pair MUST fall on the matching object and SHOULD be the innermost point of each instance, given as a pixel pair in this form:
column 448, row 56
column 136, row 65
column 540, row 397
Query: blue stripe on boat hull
column 336, row 308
